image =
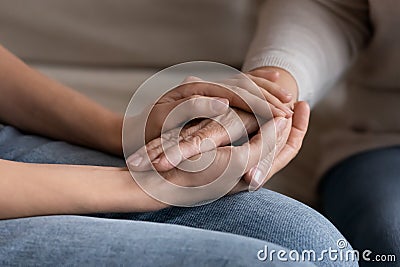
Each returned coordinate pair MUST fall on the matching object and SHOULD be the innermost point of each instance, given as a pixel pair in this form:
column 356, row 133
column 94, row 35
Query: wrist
column 111, row 140
column 120, row 193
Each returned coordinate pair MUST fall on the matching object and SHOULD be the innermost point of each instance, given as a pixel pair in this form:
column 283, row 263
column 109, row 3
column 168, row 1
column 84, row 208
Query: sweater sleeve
column 314, row 40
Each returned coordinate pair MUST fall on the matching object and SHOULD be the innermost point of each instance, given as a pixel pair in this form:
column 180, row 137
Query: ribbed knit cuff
column 305, row 94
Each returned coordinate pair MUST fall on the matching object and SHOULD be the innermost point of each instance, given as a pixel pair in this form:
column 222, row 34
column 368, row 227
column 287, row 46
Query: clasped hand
column 269, row 147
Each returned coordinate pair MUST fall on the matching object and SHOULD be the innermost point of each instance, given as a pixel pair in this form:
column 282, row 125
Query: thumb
column 257, row 175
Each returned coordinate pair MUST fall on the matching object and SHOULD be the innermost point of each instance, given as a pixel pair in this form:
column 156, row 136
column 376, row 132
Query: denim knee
column 77, row 241
column 265, row 215
column 274, row 217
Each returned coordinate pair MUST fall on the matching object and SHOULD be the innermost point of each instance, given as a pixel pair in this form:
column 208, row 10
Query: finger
column 206, row 139
column 245, row 82
column 232, row 161
column 277, row 112
column 170, row 115
column 225, row 129
column 224, row 171
column 288, row 151
column 267, row 89
column 265, row 140
column 298, row 131
column 191, row 107
column 262, row 145
column 237, row 97
column 281, row 94
column 258, row 174
column 257, row 103
column 141, row 160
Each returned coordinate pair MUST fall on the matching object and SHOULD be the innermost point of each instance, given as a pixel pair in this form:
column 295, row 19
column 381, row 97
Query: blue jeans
column 227, row 232
column 361, row 196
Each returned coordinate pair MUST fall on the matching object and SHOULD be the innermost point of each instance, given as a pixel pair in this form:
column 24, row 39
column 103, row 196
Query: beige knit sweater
column 318, row 41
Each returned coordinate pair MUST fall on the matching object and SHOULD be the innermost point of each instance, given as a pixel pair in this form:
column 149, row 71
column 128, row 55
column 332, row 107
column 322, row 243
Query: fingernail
column 256, row 180
column 279, row 112
column 289, row 111
column 135, row 160
column 281, row 125
column 220, row 105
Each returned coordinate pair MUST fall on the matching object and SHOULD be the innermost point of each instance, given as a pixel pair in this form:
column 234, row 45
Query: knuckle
column 152, row 144
column 169, row 140
column 195, row 102
column 202, row 135
column 192, row 140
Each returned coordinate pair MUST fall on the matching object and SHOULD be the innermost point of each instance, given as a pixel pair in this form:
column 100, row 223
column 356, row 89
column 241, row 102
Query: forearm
column 37, row 104
column 41, row 189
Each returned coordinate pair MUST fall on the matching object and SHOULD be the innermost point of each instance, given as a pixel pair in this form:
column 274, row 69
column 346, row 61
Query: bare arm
column 42, row 189
column 34, row 103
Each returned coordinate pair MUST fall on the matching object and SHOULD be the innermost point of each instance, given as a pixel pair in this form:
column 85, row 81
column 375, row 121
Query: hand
column 199, row 98
column 152, row 120
column 298, row 126
column 227, row 163
column 191, row 138
column 286, row 151
column 167, row 151
column 174, row 146
column 262, row 171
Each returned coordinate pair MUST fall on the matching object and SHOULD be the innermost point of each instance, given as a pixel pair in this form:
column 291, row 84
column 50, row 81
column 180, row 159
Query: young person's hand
column 297, row 128
column 288, row 146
